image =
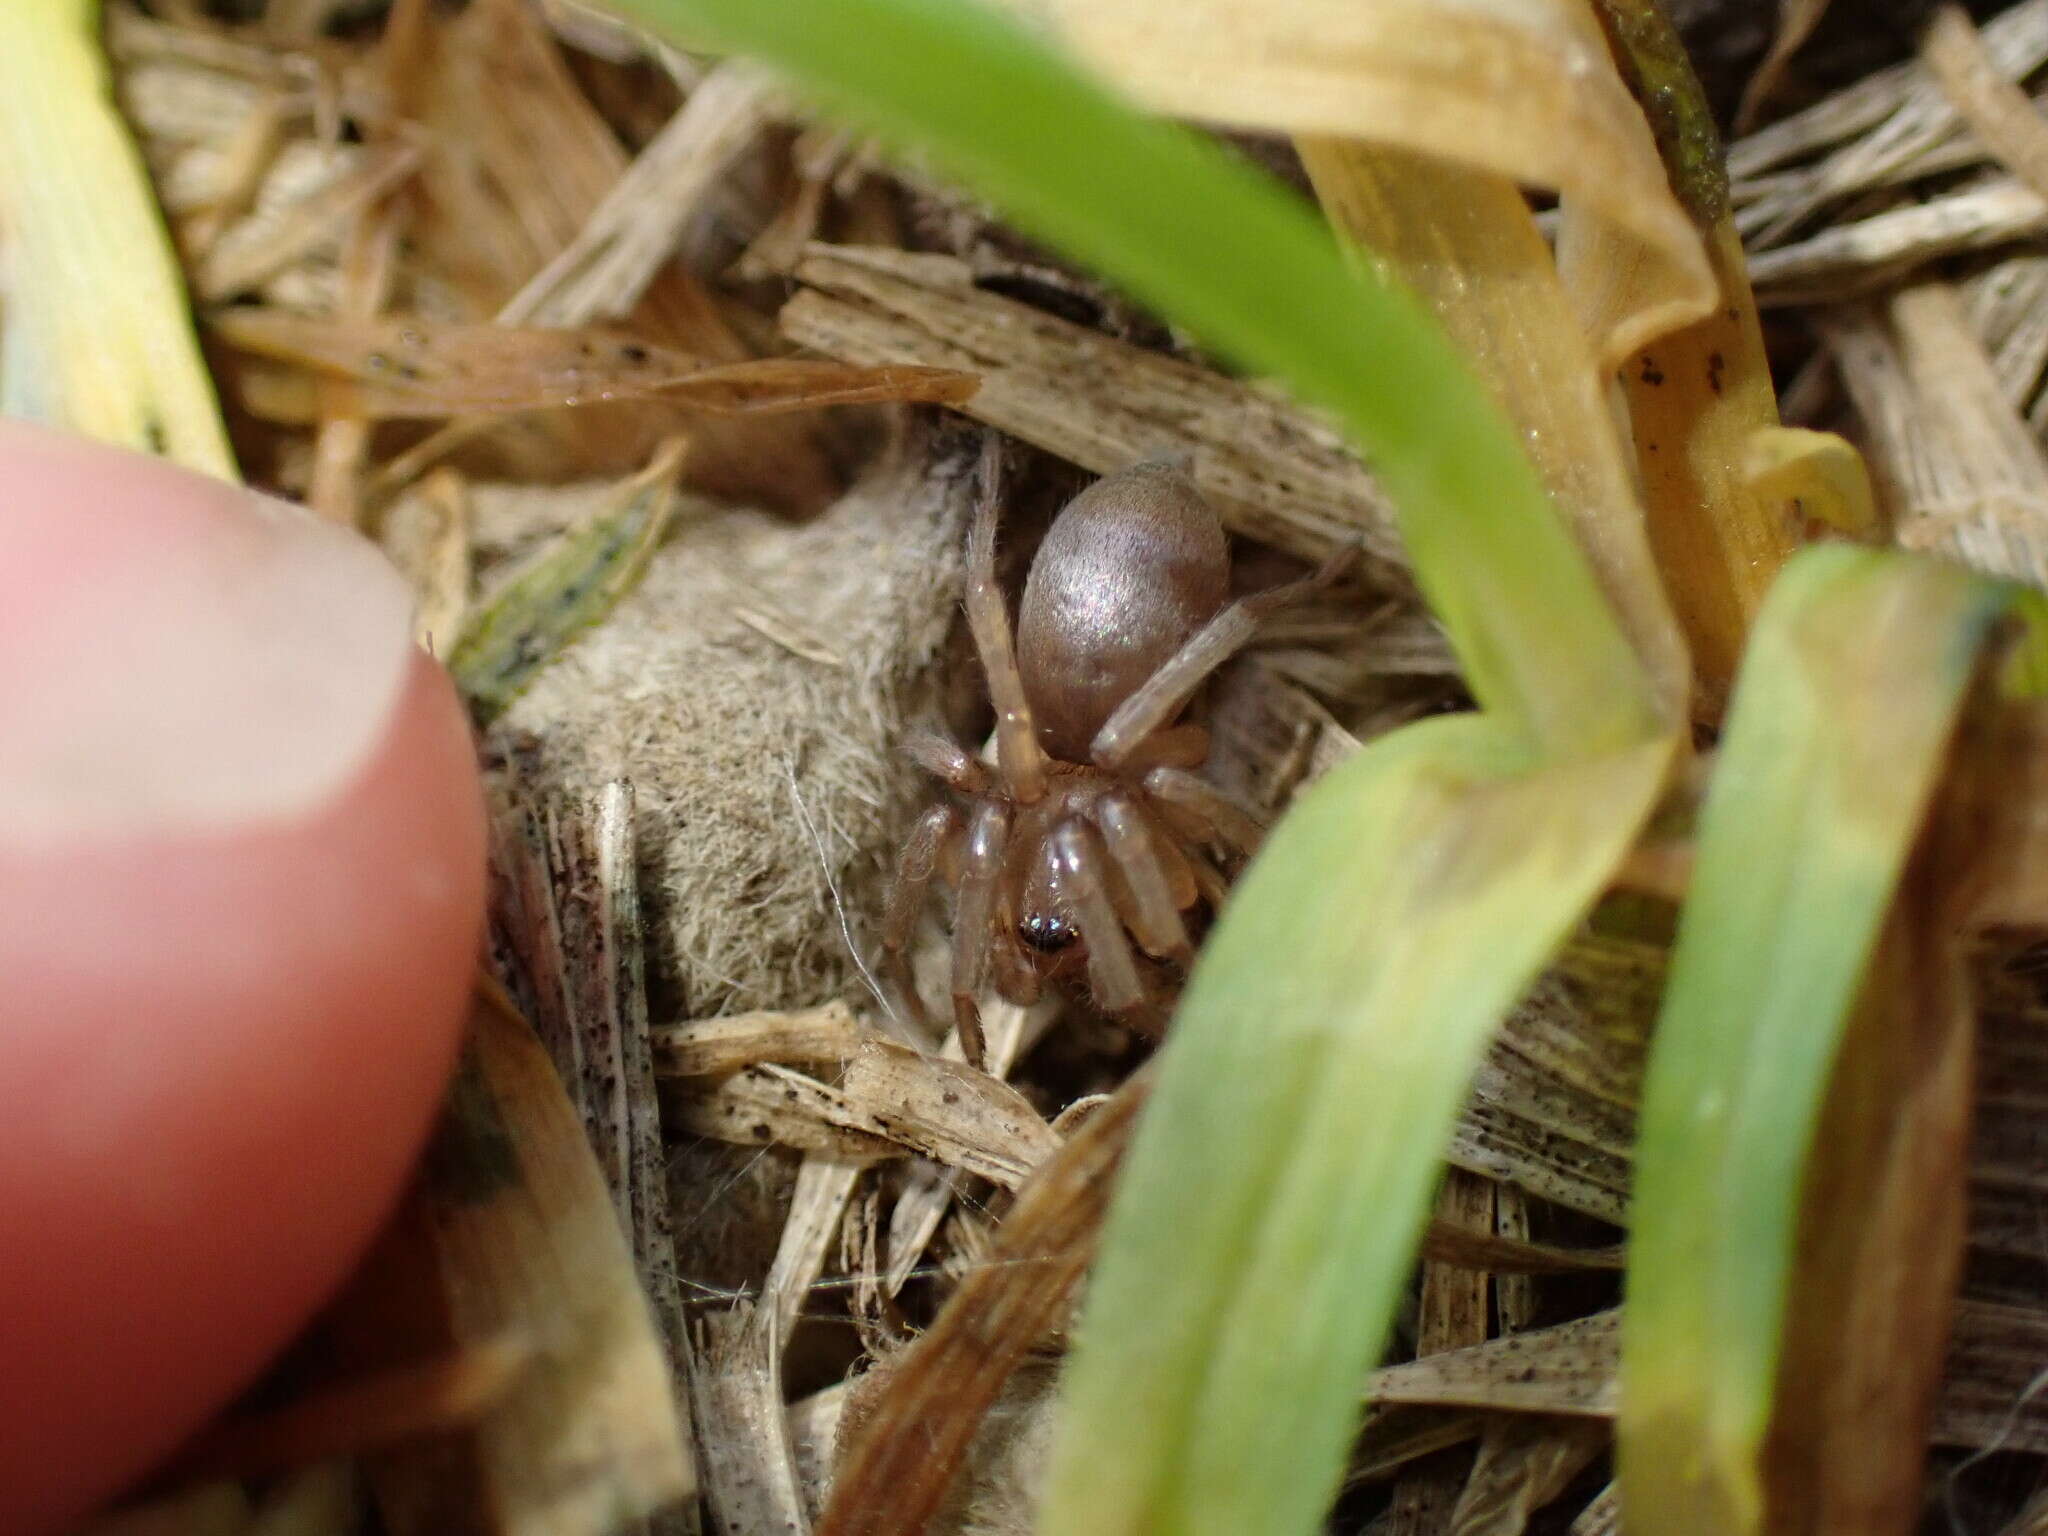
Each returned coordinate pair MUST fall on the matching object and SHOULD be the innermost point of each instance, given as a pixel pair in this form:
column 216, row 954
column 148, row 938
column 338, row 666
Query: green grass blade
column 97, row 336
column 1842, row 717
column 1268, row 1212
column 1251, row 269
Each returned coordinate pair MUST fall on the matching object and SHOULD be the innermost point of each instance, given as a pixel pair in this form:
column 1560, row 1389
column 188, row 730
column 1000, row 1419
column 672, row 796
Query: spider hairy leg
column 1178, row 746
column 988, row 837
column 922, row 852
column 1112, row 970
column 946, row 761
column 1205, row 809
column 1151, row 913
column 1019, row 757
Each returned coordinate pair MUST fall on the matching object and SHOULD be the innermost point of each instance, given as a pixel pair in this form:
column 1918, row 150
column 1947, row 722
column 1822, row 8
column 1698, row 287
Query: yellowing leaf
column 1524, row 89
column 1840, row 726
column 96, row 337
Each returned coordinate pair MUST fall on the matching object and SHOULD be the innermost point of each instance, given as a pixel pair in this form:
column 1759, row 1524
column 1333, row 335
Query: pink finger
column 241, row 849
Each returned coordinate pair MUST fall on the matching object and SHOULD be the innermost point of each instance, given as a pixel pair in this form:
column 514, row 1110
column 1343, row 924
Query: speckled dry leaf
column 412, row 367
column 750, row 1474
column 512, row 1233
column 889, row 1100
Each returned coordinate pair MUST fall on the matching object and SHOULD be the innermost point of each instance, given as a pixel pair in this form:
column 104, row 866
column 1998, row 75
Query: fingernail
column 178, row 656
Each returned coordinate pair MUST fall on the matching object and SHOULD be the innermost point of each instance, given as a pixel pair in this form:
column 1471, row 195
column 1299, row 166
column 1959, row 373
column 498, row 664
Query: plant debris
column 635, row 368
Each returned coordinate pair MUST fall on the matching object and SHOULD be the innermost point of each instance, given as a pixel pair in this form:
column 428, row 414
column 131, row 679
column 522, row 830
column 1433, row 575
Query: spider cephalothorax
column 1091, row 840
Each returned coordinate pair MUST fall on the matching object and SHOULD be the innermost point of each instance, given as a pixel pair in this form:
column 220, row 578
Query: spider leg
column 1112, row 970
column 1015, row 980
column 1178, row 746
column 1208, row 878
column 1019, row 757
column 1160, row 697
column 946, row 762
column 1150, row 913
column 1205, row 809
column 988, row 837
column 922, row 852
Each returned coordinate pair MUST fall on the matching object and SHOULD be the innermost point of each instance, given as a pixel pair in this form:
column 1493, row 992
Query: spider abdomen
column 1130, row 569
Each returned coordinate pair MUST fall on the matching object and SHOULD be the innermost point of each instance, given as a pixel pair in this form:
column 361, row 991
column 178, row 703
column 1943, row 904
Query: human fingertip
column 237, row 961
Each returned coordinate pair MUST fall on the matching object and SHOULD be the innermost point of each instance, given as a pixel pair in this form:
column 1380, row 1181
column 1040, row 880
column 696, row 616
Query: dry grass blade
column 1602, row 1517
column 2017, row 40
column 1698, row 394
column 1847, row 257
column 634, row 232
column 1412, row 75
column 1918, row 132
column 715, row 1047
column 508, row 190
column 1796, row 21
column 894, row 1475
column 753, row 1479
column 1990, row 1393
column 1273, row 471
column 890, row 1101
column 1466, row 242
column 596, row 874
column 1456, row 1244
column 1698, row 398
column 1451, row 1315
column 260, row 248
column 1962, row 472
column 511, row 1233
column 1568, row 1369
column 1997, row 111
column 412, row 367
column 750, row 1476
column 2008, row 303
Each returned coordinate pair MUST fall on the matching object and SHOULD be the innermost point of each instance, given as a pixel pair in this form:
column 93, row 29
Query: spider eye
column 1046, row 931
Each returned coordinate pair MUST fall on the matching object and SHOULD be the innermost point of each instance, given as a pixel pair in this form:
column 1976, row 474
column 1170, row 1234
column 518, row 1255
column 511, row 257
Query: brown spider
column 1093, row 830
